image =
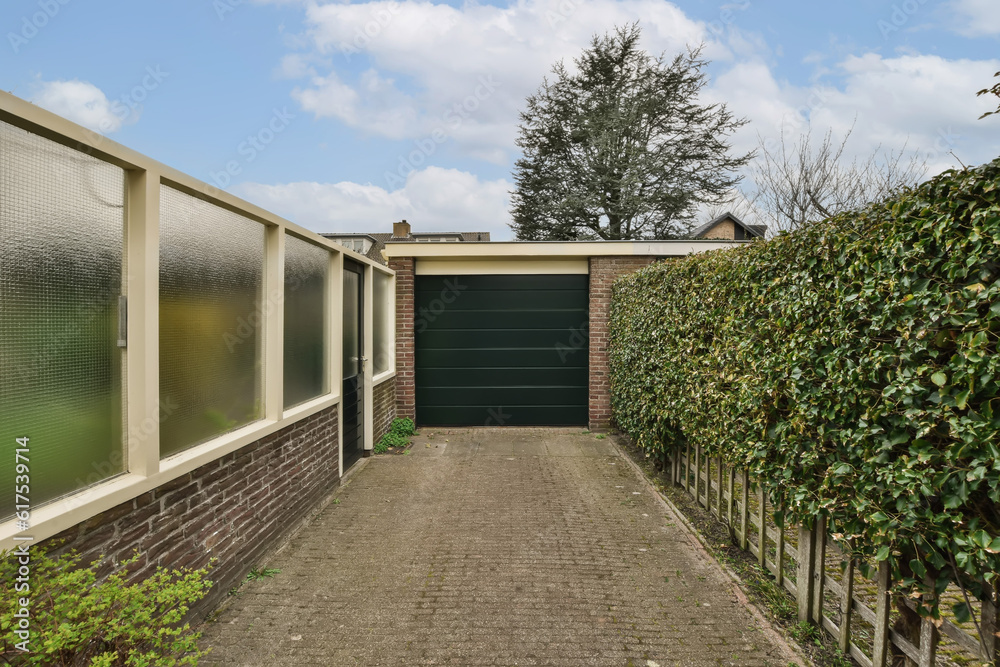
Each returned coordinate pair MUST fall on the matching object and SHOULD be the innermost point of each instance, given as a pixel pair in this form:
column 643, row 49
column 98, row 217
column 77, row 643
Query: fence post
column 745, row 512
column 779, row 549
column 819, row 569
column 708, row 484
column 990, row 626
column 687, row 467
column 697, row 474
column 718, row 507
column 846, row 608
column 804, row 573
column 732, row 492
column 880, row 641
column 762, row 528
column 929, row 636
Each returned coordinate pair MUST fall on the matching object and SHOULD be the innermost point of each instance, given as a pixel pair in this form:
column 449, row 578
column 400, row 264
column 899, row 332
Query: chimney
column 401, row 230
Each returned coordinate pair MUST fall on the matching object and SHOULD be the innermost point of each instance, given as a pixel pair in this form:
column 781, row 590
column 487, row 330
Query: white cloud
column 925, row 103
column 412, row 70
column 427, row 62
column 432, row 199
column 976, row 18
column 81, row 102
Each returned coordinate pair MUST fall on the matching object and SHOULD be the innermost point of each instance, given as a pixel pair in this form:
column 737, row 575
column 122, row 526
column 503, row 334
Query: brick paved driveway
column 492, row 547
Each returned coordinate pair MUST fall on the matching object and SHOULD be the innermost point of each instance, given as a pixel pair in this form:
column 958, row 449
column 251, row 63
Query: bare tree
column 797, row 185
column 735, row 203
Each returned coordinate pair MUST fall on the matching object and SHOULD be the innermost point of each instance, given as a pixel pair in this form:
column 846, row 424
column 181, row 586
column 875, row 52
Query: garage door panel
column 501, row 282
column 501, row 395
column 507, row 415
column 504, row 377
column 491, row 358
column 513, row 341
column 509, row 319
column 471, row 339
column 434, row 303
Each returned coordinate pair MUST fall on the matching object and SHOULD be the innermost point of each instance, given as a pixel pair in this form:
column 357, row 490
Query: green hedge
column 850, row 366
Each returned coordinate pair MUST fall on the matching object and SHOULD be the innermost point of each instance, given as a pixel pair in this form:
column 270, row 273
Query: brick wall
column 384, row 408
column 405, row 359
column 603, row 272
column 724, row 230
column 236, row 509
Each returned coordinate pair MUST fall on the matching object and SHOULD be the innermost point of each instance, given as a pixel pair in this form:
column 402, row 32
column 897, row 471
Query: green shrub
column 74, row 619
column 850, row 366
column 398, row 436
column 402, row 426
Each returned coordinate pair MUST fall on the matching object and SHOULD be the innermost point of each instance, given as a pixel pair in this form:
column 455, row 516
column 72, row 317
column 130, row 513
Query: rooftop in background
column 728, row 226
column 371, row 245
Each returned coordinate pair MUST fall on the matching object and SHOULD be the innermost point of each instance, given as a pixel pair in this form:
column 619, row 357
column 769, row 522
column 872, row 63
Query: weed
column 600, row 436
column 267, row 572
column 805, row 632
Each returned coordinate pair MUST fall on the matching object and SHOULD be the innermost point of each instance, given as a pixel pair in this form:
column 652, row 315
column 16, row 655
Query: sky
column 347, row 116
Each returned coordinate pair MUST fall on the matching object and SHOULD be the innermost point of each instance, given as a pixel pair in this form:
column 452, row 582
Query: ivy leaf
column 940, row 379
column 963, row 614
column 962, row 399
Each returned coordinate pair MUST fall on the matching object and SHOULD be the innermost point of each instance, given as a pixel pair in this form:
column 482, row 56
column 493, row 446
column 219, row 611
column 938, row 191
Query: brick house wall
column 405, row 382
column 235, row 509
column 724, row 230
column 603, row 272
column 383, row 408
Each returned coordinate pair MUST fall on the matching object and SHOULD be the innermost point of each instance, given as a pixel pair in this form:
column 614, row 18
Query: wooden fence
column 830, row 589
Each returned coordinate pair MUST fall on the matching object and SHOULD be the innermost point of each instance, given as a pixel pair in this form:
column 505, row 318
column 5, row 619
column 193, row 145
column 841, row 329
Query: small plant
column 267, row 572
column 805, row 632
column 600, row 436
column 398, row 435
column 76, row 619
column 402, row 426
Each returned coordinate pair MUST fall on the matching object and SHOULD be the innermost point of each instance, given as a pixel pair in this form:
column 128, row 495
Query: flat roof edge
column 556, row 249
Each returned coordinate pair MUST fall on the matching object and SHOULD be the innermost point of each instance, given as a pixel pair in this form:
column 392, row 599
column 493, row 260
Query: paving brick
column 492, row 547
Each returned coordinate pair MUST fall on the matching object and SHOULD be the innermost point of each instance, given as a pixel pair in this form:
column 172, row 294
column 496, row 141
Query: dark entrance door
column 354, row 367
column 501, row 350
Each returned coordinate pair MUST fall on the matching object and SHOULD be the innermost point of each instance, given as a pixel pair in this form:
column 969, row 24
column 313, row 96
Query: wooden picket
column 813, row 575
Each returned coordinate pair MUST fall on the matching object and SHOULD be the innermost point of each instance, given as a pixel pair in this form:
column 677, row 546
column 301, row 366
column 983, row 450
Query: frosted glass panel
column 382, row 336
column 306, row 267
column 211, row 317
column 352, row 302
column 61, row 240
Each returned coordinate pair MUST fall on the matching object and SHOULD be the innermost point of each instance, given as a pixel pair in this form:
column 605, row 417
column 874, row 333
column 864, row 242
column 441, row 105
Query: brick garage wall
column 236, row 509
column 384, row 408
column 603, row 272
column 405, row 379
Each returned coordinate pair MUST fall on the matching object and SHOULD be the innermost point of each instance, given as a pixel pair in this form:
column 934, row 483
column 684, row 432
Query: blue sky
column 349, row 115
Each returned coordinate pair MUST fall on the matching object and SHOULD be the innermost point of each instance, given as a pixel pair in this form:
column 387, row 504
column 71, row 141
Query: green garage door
column 508, row 350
